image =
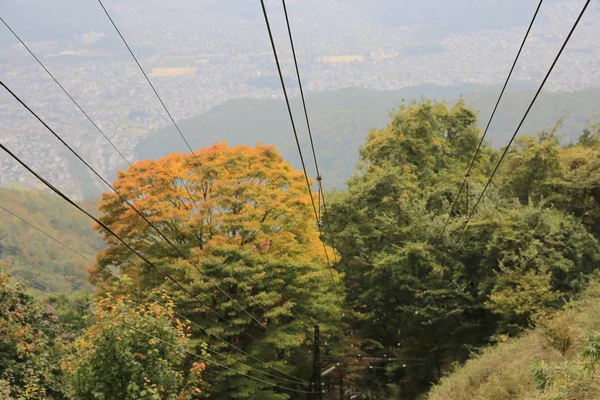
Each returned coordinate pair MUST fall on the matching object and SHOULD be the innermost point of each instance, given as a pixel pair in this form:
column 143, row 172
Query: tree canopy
column 30, row 346
column 247, row 247
column 132, row 351
column 234, row 275
column 431, row 294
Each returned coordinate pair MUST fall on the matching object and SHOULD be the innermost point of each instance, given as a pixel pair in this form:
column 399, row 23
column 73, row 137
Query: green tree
column 578, row 190
column 531, row 166
column 590, row 136
column 527, row 260
column 434, row 297
column 287, row 294
column 70, row 310
column 30, row 343
column 132, row 352
column 405, row 284
column 567, row 178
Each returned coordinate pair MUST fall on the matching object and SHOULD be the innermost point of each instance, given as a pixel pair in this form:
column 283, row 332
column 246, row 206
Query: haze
column 201, row 54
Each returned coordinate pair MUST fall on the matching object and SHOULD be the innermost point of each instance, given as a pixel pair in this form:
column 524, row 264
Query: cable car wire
column 198, row 163
column 472, row 163
column 564, row 45
column 65, row 91
column 310, row 135
column 291, row 116
column 107, row 270
column 207, row 360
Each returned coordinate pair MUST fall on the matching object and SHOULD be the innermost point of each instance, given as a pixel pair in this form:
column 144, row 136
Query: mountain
column 340, row 121
column 51, row 265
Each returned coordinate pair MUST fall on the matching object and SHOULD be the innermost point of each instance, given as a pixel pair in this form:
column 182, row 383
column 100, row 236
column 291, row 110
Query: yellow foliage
column 241, row 196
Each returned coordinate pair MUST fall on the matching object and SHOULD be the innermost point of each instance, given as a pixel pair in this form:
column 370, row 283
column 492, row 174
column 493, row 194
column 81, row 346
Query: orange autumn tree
column 238, row 195
column 244, row 221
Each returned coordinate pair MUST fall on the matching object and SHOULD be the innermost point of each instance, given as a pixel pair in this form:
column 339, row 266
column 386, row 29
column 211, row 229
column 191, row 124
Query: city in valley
column 202, row 57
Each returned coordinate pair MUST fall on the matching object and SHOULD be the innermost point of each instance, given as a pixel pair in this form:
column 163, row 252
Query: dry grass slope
column 551, row 362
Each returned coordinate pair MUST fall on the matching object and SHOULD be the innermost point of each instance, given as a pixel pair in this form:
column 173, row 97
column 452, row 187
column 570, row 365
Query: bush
column 555, row 361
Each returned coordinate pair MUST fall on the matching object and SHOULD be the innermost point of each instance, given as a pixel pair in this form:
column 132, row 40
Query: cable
column 525, row 116
column 105, row 227
column 24, row 261
column 98, row 128
column 81, row 287
column 312, row 144
column 131, row 206
column 152, row 298
column 156, row 338
column 468, row 174
column 330, row 231
column 151, row 85
column 65, row 91
column 287, row 101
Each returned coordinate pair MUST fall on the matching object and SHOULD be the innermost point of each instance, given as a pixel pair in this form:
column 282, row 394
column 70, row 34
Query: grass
column 550, row 362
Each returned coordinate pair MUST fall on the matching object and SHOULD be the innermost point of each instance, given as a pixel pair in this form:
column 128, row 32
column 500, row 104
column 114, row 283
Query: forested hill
column 59, row 220
column 341, row 120
column 416, row 287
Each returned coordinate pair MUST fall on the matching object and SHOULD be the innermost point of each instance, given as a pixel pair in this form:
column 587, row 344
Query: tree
column 431, row 297
column 567, row 178
column 246, row 196
column 132, row 352
column 578, row 190
column 404, row 284
column 70, row 309
column 30, row 343
column 244, row 219
column 527, row 260
column 5, row 390
column 531, row 166
column 590, row 136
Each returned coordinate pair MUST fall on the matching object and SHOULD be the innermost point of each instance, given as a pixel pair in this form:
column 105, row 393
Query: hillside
column 553, row 361
column 59, row 220
column 342, row 119
column 413, row 293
